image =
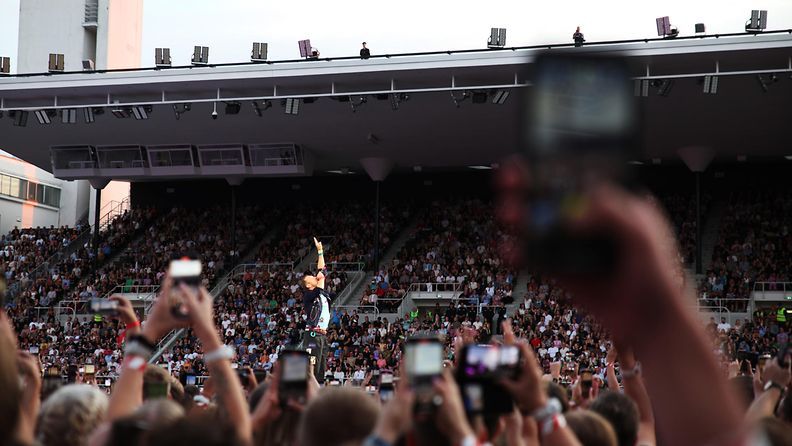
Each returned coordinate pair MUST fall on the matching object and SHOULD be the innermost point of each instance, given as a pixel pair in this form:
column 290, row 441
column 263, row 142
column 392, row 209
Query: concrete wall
column 124, row 33
column 47, row 26
column 23, row 213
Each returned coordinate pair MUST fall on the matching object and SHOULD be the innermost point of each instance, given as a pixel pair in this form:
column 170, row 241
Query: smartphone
column 243, row 375
column 586, row 382
column 580, row 126
column 783, row 355
column 260, row 374
column 153, row 390
column 89, row 369
column 481, row 369
column 424, row 363
column 386, row 389
column 294, row 376
column 104, row 306
column 184, row 270
column 189, row 380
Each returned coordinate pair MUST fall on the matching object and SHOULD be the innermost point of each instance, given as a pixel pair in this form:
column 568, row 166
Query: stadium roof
column 427, row 129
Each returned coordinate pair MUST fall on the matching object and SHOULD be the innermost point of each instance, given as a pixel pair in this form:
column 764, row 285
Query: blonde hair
column 70, row 415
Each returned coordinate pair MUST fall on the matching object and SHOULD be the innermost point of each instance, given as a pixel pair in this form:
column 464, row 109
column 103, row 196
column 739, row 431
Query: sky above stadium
column 337, row 28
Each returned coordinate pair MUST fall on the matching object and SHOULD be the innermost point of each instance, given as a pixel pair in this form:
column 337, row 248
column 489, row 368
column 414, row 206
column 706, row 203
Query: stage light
column 479, row 97
column 88, row 113
column 260, row 107
column 200, row 55
column 500, row 96
column 5, row 65
column 664, row 28
column 56, row 63
column 642, row 88
column 665, row 86
column 69, row 116
column 291, row 106
column 88, row 65
column 119, row 112
column 141, row 112
column 162, row 57
column 758, row 21
column 710, row 84
column 497, row 38
column 44, row 116
column 232, row 108
column 20, row 117
column 259, row 53
column 179, row 110
column 305, row 48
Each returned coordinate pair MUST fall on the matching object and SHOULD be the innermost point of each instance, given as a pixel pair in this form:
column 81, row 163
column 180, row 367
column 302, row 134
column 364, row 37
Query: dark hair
column 256, row 395
column 320, row 424
column 557, row 391
column 622, row 413
column 190, row 431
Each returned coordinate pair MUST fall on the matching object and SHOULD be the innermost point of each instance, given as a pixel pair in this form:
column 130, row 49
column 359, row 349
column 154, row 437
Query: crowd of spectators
column 754, row 245
column 23, row 250
column 455, row 246
column 681, row 211
column 347, row 228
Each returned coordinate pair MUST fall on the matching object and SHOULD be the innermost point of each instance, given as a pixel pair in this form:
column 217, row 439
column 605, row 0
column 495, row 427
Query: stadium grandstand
column 364, row 209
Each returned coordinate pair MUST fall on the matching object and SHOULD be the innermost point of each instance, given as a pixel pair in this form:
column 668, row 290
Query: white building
column 107, row 32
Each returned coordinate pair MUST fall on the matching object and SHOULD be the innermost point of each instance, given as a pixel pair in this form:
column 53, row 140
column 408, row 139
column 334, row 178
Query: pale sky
column 337, row 28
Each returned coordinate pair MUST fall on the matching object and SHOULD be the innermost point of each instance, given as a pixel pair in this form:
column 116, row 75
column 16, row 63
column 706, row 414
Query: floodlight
column 20, row 118
column 56, row 62
column 5, row 65
column 497, row 38
column 757, row 22
column 162, row 57
column 69, row 116
column 642, row 88
column 43, row 116
column 500, row 96
column 291, row 106
column 88, row 65
column 119, row 112
column 200, row 55
column 88, row 113
column 141, row 112
column 259, row 53
column 710, row 84
column 305, row 48
column 664, row 28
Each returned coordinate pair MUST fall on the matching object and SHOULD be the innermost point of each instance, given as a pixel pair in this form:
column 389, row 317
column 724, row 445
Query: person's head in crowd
column 309, row 281
column 190, row 392
column 557, row 391
column 70, row 415
column 776, row 431
column 591, row 428
column 621, row 412
column 156, row 376
column 320, row 424
column 202, row 429
column 256, row 395
column 133, row 430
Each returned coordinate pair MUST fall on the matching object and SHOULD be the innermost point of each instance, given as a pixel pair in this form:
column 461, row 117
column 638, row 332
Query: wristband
column 134, row 362
column 132, row 325
column 137, row 348
column 553, row 424
column 224, row 352
column 632, row 373
column 140, row 339
column 552, row 408
column 321, row 253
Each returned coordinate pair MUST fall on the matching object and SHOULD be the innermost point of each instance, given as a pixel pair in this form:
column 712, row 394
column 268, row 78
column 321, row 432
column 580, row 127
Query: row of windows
column 28, row 190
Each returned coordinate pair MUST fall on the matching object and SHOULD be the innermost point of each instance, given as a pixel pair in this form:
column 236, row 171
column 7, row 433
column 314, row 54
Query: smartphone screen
column 190, row 380
column 104, row 306
column 155, row 390
column 295, row 367
column 424, row 358
column 185, row 271
column 385, row 394
column 386, row 378
column 89, row 369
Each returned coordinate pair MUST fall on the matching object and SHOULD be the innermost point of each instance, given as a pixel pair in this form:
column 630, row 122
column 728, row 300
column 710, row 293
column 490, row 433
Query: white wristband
column 224, row 352
column 553, row 424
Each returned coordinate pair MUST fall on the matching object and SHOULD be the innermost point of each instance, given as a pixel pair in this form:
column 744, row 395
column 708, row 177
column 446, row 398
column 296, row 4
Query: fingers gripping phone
column 294, row 377
column 184, row 270
column 424, row 361
column 580, row 127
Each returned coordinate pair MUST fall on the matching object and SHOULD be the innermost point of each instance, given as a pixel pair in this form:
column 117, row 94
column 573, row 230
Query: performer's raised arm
column 320, row 264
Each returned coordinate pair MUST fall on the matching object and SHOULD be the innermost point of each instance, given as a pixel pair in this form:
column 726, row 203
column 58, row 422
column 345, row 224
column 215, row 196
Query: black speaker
column 700, row 28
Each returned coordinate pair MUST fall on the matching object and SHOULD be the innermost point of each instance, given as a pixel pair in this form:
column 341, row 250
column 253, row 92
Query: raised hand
column 318, row 244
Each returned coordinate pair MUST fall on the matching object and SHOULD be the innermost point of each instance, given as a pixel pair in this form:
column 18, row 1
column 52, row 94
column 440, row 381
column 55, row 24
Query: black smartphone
column 104, row 306
column 580, row 126
column 424, row 363
column 294, row 376
column 783, row 355
column 183, row 270
column 481, row 369
column 386, row 389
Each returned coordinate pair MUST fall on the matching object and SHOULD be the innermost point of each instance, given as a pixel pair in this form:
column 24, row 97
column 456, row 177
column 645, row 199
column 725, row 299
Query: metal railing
column 361, row 309
column 431, row 287
column 257, row 267
column 740, row 305
column 345, row 266
column 772, row 286
column 112, row 210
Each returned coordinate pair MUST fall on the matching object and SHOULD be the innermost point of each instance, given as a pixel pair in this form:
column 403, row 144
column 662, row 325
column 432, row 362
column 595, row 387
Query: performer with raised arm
column 316, row 301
